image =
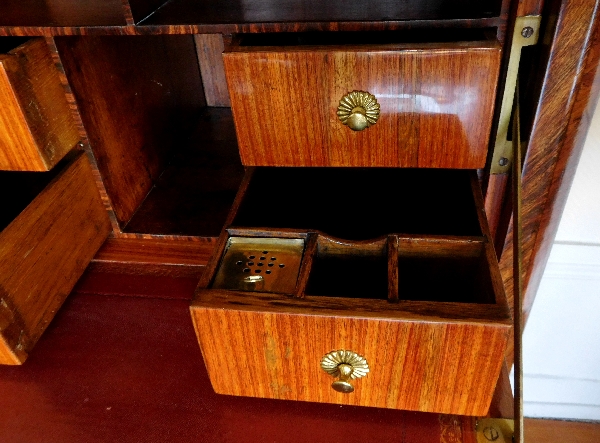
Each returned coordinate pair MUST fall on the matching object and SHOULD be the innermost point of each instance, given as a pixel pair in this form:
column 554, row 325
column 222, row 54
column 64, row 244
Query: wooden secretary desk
column 326, row 183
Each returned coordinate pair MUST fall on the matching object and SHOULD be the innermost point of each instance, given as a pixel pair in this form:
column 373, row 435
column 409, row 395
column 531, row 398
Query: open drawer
column 37, row 128
column 384, row 279
column 408, row 99
column 51, row 226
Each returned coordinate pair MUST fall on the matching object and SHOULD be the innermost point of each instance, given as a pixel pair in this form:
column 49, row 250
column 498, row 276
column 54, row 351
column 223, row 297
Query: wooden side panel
column 43, row 252
column 434, row 366
column 135, row 94
column 569, row 95
column 210, row 56
column 285, row 105
column 36, row 126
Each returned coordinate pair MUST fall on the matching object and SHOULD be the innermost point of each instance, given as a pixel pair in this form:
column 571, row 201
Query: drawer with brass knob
column 400, row 99
column 361, row 286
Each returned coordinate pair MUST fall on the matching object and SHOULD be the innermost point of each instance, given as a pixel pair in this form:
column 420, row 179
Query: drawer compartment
column 423, row 303
column 36, row 125
column 434, row 100
column 51, row 227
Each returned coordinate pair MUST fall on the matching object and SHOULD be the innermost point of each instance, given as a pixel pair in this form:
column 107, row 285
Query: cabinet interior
column 342, row 38
column 361, row 203
column 255, row 11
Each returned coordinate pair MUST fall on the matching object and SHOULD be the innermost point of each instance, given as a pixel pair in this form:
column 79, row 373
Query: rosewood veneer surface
column 129, row 369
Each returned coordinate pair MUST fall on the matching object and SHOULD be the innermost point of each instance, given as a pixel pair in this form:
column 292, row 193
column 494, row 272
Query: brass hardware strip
column 526, row 33
column 501, row 430
column 517, row 273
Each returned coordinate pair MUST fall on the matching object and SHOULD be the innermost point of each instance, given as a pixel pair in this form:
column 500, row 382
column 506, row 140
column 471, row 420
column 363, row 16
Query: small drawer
column 318, row 268
column 36, row 125
column 326, row 99
column 51, row 226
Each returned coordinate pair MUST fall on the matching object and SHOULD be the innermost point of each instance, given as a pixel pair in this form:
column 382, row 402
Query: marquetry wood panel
column 436, row 104
column 43, row 252
column 268, row 346
column 36, row 126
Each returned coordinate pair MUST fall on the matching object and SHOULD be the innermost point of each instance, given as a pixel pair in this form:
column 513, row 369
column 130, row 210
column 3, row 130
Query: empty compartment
column 361, row 203
column 357, row 270
column 169, row 163
column 444, row 271
column 37, row 128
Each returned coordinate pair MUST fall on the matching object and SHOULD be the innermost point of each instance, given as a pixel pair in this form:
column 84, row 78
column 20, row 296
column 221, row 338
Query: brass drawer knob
column 346, row 365
column 358, row 110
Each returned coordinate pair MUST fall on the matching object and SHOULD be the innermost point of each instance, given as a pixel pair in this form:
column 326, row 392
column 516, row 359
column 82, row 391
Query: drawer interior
column 402, row 235
column 361, row 203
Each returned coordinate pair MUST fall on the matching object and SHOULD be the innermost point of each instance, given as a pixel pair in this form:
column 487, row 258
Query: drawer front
column 436, row 105
column 432, row 366
column 43, row 252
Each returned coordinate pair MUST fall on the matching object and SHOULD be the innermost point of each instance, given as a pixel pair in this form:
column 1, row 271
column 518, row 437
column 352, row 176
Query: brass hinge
column 526, row 33
column 497, row 430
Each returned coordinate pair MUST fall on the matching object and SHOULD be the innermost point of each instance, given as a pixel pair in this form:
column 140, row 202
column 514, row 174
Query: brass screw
column 527, row 31
column 503, row 161
column 491, row 434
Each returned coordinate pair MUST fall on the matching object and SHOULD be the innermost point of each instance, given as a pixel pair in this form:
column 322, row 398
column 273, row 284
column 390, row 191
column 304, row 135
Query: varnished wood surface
column 285, row 100
column 141, row 380
column 61, row 13
column 36, row 126
column 182, row 12
column 557, row 431
column 195, row 192
column 152, row 257
column 210, row 49
column 569, row 88
column 43, row 253
column 135, row 96
column 84, row 140
column 427, row 365
column 228, row 28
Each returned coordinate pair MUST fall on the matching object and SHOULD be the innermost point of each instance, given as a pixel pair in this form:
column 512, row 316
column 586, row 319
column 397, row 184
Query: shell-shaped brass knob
column 358, row 110
column 346, row 365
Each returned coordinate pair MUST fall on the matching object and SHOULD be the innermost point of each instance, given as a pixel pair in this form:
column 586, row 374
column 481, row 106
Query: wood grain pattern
column 435, row 366
column 83, row 137
column 73, row 362
column 570, row 87
column 36, row 126
column 210, row 49
column 43, row 253
column 146, row 28
column 134, row 95
column 530, row 7
column 152, row 257
column 284, row 102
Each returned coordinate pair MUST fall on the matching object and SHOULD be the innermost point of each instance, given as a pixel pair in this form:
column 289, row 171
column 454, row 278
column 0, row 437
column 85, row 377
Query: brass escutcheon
column 358, row 110
column 346, row 365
